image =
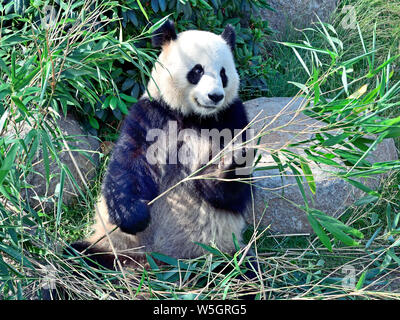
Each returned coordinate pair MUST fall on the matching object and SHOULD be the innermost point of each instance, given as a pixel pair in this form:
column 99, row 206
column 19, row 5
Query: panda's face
column 195, row 73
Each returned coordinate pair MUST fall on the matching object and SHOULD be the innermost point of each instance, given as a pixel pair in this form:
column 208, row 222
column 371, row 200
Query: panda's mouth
column 202, row 105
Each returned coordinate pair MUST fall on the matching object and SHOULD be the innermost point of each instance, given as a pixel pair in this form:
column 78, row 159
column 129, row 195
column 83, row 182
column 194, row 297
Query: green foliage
column 49, row 68
column 379, row 17
column 354, row 117
column 68, row 61
column 100, row 87
column 95, row 61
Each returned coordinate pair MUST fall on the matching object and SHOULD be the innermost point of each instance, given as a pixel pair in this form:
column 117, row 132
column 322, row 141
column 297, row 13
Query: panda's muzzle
column 204, row 106
column 216, row 97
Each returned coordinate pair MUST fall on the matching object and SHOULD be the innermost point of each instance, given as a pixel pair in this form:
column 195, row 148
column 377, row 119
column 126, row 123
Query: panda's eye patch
column 195, row 74
column 224, row 78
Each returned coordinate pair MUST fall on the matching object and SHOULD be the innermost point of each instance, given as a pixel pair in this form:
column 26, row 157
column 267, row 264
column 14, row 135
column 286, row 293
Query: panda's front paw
column 131, row 218
column 235, row 165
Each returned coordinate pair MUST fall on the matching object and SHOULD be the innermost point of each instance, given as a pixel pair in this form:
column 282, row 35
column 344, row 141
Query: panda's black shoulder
column 146, row 114
column 143, row 116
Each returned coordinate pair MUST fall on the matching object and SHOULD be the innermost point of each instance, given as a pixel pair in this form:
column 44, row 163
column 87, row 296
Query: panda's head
column 195, row 72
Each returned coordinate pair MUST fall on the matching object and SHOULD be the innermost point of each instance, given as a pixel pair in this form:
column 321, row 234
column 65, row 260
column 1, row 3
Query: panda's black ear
column 164, row 34
column 229, row 36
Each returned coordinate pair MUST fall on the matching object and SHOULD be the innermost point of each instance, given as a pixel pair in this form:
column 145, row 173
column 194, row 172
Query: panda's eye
column 224, row 78
column 198, row 69
column 195, row 74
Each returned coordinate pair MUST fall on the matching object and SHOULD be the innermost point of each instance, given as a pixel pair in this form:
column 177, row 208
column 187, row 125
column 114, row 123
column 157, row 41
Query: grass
column 381, row 17
column 289, row 267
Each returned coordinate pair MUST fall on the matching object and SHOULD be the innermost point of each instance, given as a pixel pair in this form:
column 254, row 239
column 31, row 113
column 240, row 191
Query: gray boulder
column 278, row 196
column 86, row 160
column 291, row 14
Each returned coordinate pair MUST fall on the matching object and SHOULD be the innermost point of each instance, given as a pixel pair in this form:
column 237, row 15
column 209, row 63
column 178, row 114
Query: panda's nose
column 216, row 97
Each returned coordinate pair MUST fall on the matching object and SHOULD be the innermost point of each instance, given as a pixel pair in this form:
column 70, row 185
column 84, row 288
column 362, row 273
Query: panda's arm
column 130, row 181
column 224, row 194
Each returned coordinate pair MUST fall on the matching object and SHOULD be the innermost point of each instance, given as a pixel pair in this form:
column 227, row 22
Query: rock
column 76, row 139
column 279, row 197
column 297, row 13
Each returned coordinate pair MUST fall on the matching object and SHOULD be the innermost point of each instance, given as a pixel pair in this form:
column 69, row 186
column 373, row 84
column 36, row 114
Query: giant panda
column 194, row 86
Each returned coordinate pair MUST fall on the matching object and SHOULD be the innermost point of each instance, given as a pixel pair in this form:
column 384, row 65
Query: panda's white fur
column 182, row 216
column 177, row 57
column 204, row 224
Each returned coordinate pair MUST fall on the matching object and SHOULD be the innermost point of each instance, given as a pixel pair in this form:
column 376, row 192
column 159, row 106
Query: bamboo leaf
column 16, row 255
column 94, row 123
column 299, row 181
column 3, row 119
column 360, row 282
column 368, row 244
column 209, row 249
column 308, row 175
column 8, row 162
column 301, row 86
column 319, row 232
column 142, row 9
column 301, row 61
column 383, row 65
column 122, row 106
column 60, row 197
column 340, row 235
column 113, row 102
column 4, row 67
column 128, row 98
column 344, row 81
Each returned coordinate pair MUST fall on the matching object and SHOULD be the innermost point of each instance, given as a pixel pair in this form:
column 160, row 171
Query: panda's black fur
column 169, row 225
column 164, row 34
column 130, row 173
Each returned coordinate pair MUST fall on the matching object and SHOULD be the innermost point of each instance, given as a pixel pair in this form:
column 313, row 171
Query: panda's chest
column 189, row 147
column 180, row 220
column 195, row 149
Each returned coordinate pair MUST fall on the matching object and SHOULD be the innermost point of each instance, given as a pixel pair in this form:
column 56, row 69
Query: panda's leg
column 94, row 256
column 108, row 243
column 251, row 265
column 249, row 275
